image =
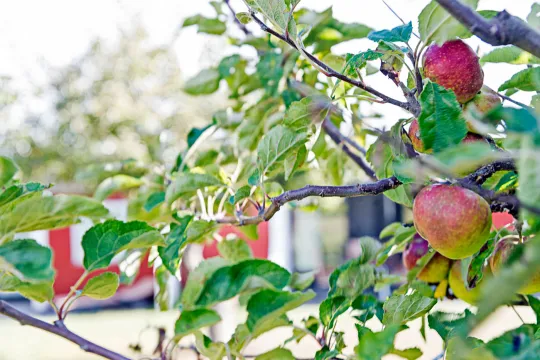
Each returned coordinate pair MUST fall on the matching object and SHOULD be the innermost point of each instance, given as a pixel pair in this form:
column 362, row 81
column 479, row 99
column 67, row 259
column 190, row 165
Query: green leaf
column 447, row 324
column 187, row 184
column 436, row 24
column 102, row 286
column 360, row 60
column 535, row 306
column 40, row 291
column 515, row 120
column 241, row 194
column 193, row 320
column 301, row 281
column 276, row 145
column 204, row 83
column 373, row 346
column 8, row 169
column 399, row 33
column 209, row 349
column 351, row 279
column 298, row 115
column 383, row 155
column 276, row 354
column 409, row 354
column 175, row 243
column 269, row 304
column 27, row 260
column 400, row 309
column 114, row 184
column 154, row 200
column 369, row 306
column 533, row 18
column 390, row 230
column 510, row 55
column 35, row 211
column 244, row 17
column 234, row 250
column 235, row 279
column 325, row 353
column 270, row 72
column 277, row 13
column 475, row 271
column 206, row 25
column 198, row 230
column 331, row 308
column 198, row 278
column 526, row 80
column 103, row 241
column 528, row 166
column 441, row 122
column 507, row 347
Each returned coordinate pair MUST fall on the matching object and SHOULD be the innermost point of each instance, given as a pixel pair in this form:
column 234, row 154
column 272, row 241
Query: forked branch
column 503, row 29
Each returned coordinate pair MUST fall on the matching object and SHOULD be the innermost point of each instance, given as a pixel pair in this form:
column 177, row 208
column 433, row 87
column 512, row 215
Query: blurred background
column 94, row 81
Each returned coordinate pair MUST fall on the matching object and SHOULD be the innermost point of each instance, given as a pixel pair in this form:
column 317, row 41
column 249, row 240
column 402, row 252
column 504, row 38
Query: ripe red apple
column 455, row 221
column 436, row 269
column 485, row 101
column 503, row 249
column 455, row 280
column 455, row 66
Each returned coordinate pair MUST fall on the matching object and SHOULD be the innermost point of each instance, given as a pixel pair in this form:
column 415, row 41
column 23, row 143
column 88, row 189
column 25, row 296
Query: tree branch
column 485, row 172
column 349, row 191
column 330, row 72
column 58, row 328
column 503, row 29
column 340, row 140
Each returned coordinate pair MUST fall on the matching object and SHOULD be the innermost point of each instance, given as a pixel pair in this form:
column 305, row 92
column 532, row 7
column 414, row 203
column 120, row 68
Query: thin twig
column 508, row 98
column 242, row 27
column 399, row 17
column 58, row 328
column 330, row 72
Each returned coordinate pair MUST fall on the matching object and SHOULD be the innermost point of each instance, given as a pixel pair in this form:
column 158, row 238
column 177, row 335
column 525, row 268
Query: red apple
column 503, row 249
column 455, row 66
column 435, row 270
column 455, row 221
column 414, row 135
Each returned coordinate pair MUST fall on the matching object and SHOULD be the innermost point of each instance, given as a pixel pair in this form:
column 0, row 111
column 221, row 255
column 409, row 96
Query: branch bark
column 340, row 140
column 58, row 328
column 349, row 191
column 503, row 29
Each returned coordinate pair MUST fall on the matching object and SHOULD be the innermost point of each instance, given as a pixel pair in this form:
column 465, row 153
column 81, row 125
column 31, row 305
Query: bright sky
column 57, row 31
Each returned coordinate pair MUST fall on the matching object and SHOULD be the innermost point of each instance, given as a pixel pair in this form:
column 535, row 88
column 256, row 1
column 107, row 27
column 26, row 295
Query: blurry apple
column 502, row 251
column 455, row 221
column 455, row 66
column 435, row 270
column 414, row 135
column 455, row 280
column 485, row 101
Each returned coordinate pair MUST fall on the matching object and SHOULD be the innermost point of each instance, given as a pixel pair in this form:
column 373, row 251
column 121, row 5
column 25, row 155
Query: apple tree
column 300, row 127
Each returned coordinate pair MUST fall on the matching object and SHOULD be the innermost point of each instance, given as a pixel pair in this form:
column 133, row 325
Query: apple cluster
column 454, row 221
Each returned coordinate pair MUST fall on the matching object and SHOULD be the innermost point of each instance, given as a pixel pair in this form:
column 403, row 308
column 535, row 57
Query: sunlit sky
column 33, row 32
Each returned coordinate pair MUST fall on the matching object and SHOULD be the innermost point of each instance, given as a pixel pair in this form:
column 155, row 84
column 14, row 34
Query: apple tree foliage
column 300, row 113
